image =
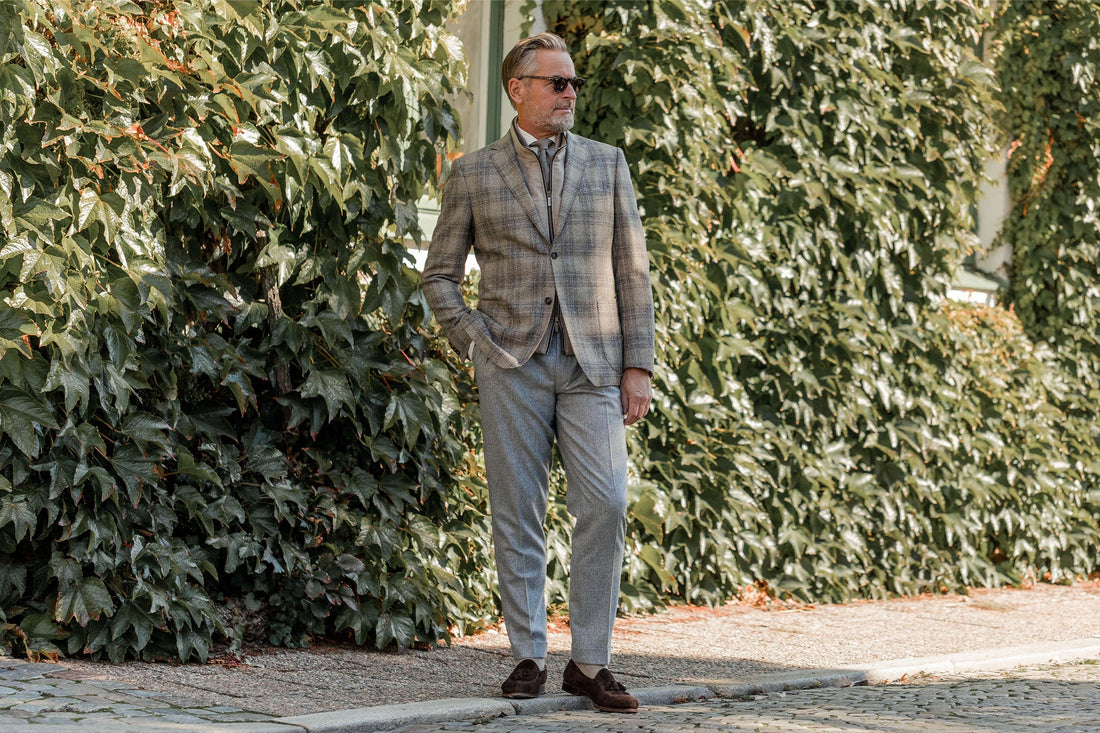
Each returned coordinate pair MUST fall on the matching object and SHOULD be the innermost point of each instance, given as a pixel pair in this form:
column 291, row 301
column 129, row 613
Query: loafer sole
column 566, row 687
column 524, row 695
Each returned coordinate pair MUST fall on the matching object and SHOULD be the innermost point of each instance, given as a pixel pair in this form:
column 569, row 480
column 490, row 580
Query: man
column 562, row 345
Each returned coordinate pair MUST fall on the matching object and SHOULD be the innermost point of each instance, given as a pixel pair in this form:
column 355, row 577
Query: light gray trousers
column 522, row 411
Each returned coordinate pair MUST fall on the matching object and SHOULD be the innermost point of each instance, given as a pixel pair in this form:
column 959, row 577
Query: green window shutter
column 496, row 58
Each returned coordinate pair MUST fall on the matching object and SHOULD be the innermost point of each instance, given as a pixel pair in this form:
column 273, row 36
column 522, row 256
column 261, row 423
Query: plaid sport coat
column 597, row 265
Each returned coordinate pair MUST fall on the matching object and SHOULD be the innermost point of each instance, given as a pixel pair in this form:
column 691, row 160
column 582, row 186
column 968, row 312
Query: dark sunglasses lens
column 560, row 83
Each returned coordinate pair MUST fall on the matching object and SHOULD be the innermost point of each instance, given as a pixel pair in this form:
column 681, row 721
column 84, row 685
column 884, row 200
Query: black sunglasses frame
column 559, row 82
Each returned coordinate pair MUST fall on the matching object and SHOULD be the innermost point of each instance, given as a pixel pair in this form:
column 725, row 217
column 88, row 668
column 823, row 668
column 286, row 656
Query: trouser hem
column 591, row 656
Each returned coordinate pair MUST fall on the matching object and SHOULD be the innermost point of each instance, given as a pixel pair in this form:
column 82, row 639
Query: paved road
column 38, row 698
column 43, row 697
column 1051, row 698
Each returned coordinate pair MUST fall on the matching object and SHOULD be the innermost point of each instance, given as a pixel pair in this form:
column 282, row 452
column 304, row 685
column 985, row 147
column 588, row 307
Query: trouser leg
column 592, row 440
column 517, row 422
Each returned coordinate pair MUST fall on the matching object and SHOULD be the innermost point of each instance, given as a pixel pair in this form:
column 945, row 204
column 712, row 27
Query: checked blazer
column 595, row 263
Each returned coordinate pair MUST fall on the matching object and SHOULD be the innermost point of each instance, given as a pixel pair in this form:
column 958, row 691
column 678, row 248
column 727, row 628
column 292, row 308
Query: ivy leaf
column 73, row 379
column 83, row 601
column 19, row 515
column 351, row 565
column 146, row 429
column 186, row 465
column 394, row 629
column 41, row 626
column 20, row 416
column 330, row 385
column 88, row 205
column 190, row 642
column 132, row 619
column 649, row 511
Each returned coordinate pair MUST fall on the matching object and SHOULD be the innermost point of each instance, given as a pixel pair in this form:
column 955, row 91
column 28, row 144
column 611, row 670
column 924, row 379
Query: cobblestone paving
column 40, row 696
column 1056, row 698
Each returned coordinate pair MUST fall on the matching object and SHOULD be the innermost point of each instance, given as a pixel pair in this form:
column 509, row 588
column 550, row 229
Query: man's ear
column 515, row 90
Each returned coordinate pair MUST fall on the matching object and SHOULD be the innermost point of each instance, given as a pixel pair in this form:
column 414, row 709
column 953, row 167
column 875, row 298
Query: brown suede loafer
column 526, row 681
column 604, row 692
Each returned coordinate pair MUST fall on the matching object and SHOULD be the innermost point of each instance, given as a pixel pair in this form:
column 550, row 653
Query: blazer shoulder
column 479, row 158
column 470, row 160
column 594, row 147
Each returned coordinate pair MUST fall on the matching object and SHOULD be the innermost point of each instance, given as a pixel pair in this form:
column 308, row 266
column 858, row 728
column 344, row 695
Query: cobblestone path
column 42, row 697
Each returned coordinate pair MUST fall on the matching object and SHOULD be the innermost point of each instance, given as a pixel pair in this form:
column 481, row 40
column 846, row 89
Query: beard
column 556, row 121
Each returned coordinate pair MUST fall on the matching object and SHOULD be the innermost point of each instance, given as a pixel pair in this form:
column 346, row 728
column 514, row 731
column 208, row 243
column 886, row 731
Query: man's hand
column 636, row 394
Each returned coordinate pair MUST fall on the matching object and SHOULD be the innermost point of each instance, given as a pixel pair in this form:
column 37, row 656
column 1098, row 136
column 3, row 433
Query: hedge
column 829, row 426
column 224, row 409
column 220, row 405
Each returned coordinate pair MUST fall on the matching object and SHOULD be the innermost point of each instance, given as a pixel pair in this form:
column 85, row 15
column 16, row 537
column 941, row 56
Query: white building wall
column 993, row 207
column 475, row 30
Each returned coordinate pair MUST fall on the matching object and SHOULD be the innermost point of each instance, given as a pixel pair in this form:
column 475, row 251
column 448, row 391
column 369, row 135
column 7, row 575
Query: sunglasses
column 559, row 82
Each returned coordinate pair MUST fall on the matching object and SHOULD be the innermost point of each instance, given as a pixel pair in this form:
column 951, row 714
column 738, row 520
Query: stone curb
column 982, row 661
column 144, row 725
column 804, row 679
column 390, row 717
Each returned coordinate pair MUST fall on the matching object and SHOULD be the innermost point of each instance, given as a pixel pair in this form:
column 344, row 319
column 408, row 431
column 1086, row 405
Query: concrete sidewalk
column 684, row 654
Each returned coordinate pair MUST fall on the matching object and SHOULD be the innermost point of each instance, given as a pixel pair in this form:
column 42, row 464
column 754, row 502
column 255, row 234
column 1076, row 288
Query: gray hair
column 520, row 61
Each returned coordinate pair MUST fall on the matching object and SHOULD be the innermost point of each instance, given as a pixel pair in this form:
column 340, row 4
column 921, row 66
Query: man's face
column 543, row 112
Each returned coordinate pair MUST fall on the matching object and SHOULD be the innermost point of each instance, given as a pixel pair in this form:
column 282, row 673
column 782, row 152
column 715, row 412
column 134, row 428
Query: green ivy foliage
column 218, row 395
column 1050, row 59
column 221, row 402
column 827, row 424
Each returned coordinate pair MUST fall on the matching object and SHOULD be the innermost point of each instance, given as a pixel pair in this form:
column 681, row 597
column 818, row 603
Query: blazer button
column 553, row 255
column 549, row 301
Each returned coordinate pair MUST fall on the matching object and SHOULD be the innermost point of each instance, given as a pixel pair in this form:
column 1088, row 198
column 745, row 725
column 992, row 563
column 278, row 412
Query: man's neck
column 527, row 137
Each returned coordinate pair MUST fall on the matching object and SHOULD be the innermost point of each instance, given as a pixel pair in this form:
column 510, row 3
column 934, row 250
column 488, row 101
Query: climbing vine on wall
column 219, row 405
column 827, row 424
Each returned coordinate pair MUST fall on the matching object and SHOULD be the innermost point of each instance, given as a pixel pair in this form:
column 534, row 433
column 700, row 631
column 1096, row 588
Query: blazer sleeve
column 445, row 266
column 632, row 284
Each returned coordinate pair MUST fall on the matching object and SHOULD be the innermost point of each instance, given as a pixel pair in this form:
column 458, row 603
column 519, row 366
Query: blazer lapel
column 504, row 158
column 576, row 162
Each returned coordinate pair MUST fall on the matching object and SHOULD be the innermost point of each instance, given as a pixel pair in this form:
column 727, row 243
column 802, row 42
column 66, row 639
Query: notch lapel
column 504, row 159
column 576, row 163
